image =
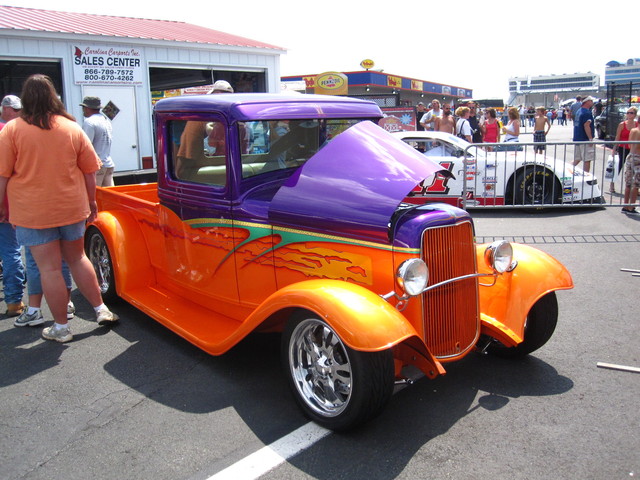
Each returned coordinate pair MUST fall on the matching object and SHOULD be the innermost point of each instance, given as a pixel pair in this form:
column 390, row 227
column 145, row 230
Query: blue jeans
column 12, row 267
column 34, row 286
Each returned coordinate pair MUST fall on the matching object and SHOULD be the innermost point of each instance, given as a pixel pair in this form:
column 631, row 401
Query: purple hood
column 353, row 185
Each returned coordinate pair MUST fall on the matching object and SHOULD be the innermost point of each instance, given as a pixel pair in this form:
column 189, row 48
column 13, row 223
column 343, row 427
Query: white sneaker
column 107, row 317
column 57, row 333
column 71, row 310
column 31, row 320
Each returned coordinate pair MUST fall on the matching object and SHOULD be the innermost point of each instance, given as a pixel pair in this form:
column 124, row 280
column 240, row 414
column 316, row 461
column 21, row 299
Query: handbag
column 611, row 171
column 460, row 134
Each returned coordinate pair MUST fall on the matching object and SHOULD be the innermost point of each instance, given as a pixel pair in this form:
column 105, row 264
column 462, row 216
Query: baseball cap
column 586, row 99
column 12, row 101
column 222, row 86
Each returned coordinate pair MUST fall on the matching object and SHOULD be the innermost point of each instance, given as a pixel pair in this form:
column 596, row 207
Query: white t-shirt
column 427, row 117
column 464, row 127
column 98, row 129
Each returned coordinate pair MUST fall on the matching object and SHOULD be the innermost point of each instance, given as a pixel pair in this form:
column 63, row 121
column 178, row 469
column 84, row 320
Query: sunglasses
column 631, row 113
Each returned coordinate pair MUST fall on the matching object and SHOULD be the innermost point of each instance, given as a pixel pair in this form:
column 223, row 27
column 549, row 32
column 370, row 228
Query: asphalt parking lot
column 137, row 401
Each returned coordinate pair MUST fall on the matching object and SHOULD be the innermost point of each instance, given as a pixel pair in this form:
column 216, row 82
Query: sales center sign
column 107, row 65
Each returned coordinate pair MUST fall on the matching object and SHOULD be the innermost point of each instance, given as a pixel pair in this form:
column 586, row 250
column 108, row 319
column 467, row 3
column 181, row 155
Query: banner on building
column 394, row 81
column 93, row 65
column 309, row 82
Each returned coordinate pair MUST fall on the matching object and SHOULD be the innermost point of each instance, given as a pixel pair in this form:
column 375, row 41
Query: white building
column 551, row 90
column 622, row 72
column 122, row 60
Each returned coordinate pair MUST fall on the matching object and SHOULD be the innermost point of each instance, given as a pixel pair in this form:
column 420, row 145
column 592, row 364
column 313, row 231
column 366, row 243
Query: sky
column 464, row 43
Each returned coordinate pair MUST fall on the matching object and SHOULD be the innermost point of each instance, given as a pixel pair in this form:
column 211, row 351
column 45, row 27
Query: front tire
column 335, row 386
column 539, row 326
column 98, row 253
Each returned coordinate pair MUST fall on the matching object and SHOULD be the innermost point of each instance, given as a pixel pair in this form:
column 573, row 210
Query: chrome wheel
column 334, row 385
column 320, row 367
column 99, row 256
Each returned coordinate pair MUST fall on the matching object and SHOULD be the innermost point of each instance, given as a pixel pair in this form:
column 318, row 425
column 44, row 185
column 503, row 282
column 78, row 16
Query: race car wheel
column 537, row 186
column 96, row 249
column 336, row 386
column 539, row 326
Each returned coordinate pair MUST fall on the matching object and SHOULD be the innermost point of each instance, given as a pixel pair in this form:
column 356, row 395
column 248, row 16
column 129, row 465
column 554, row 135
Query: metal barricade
column 539, row 175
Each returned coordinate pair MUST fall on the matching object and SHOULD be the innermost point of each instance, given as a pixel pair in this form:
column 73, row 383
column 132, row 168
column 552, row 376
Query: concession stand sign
column 332, row 83
column 398, row 119
column 94, row 65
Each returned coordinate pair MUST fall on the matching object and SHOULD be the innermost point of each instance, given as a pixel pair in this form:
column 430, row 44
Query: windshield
column 281, row 144
column 451, row 146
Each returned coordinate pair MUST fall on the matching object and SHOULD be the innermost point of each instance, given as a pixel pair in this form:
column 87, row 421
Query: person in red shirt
column 491, row 128
column 622, row 135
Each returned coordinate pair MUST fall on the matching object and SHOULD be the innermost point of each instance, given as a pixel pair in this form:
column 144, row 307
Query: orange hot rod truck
column 274, row 213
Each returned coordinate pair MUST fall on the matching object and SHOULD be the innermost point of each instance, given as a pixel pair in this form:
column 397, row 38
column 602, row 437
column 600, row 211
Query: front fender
column 505, row 305
column 363, row 320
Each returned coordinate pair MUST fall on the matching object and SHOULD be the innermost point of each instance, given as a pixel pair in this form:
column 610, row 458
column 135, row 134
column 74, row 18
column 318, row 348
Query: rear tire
column 98, row 253
column 539, row 327
column 335, row 386
column 536, row 186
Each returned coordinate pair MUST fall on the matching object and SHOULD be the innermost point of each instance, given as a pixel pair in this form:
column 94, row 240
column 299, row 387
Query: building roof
column 30, row 19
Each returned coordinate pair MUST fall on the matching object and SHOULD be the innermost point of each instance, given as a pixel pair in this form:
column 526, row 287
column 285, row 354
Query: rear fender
column 129, row 253
column 505, row 305
column 363, row 320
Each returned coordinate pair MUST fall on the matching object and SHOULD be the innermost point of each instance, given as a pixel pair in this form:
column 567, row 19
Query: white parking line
column 269, row 457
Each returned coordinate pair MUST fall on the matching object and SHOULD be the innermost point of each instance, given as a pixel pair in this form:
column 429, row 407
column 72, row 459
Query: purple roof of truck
column 265, row 106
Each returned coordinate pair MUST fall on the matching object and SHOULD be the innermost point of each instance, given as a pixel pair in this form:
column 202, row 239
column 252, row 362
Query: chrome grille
column 451, row 320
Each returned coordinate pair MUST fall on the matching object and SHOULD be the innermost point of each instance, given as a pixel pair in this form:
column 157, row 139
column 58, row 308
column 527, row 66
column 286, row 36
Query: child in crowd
column 542, row 127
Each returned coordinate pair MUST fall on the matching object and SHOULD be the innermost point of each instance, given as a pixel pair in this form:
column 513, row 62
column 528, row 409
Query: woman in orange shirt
column 47, row 168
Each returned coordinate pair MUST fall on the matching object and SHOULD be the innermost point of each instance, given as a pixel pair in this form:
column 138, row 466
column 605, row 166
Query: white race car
column 497, row 178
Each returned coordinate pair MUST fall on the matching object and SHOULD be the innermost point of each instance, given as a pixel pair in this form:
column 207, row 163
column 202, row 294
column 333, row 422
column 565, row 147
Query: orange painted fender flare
column 363, row 320
column 505, row 305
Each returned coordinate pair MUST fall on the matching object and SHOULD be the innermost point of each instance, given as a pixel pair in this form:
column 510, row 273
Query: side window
column 198, row 152
column 435, row 148
column 279, row 145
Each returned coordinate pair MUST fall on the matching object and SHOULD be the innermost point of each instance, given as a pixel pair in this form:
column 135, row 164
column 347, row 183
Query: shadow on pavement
column 250, row 379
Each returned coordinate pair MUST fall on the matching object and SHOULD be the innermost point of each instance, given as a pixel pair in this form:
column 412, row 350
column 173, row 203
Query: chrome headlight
column 499, row 256
column 412, row 276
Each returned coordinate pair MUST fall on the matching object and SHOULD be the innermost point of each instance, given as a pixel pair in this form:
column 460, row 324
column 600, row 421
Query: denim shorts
column 31, row 237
